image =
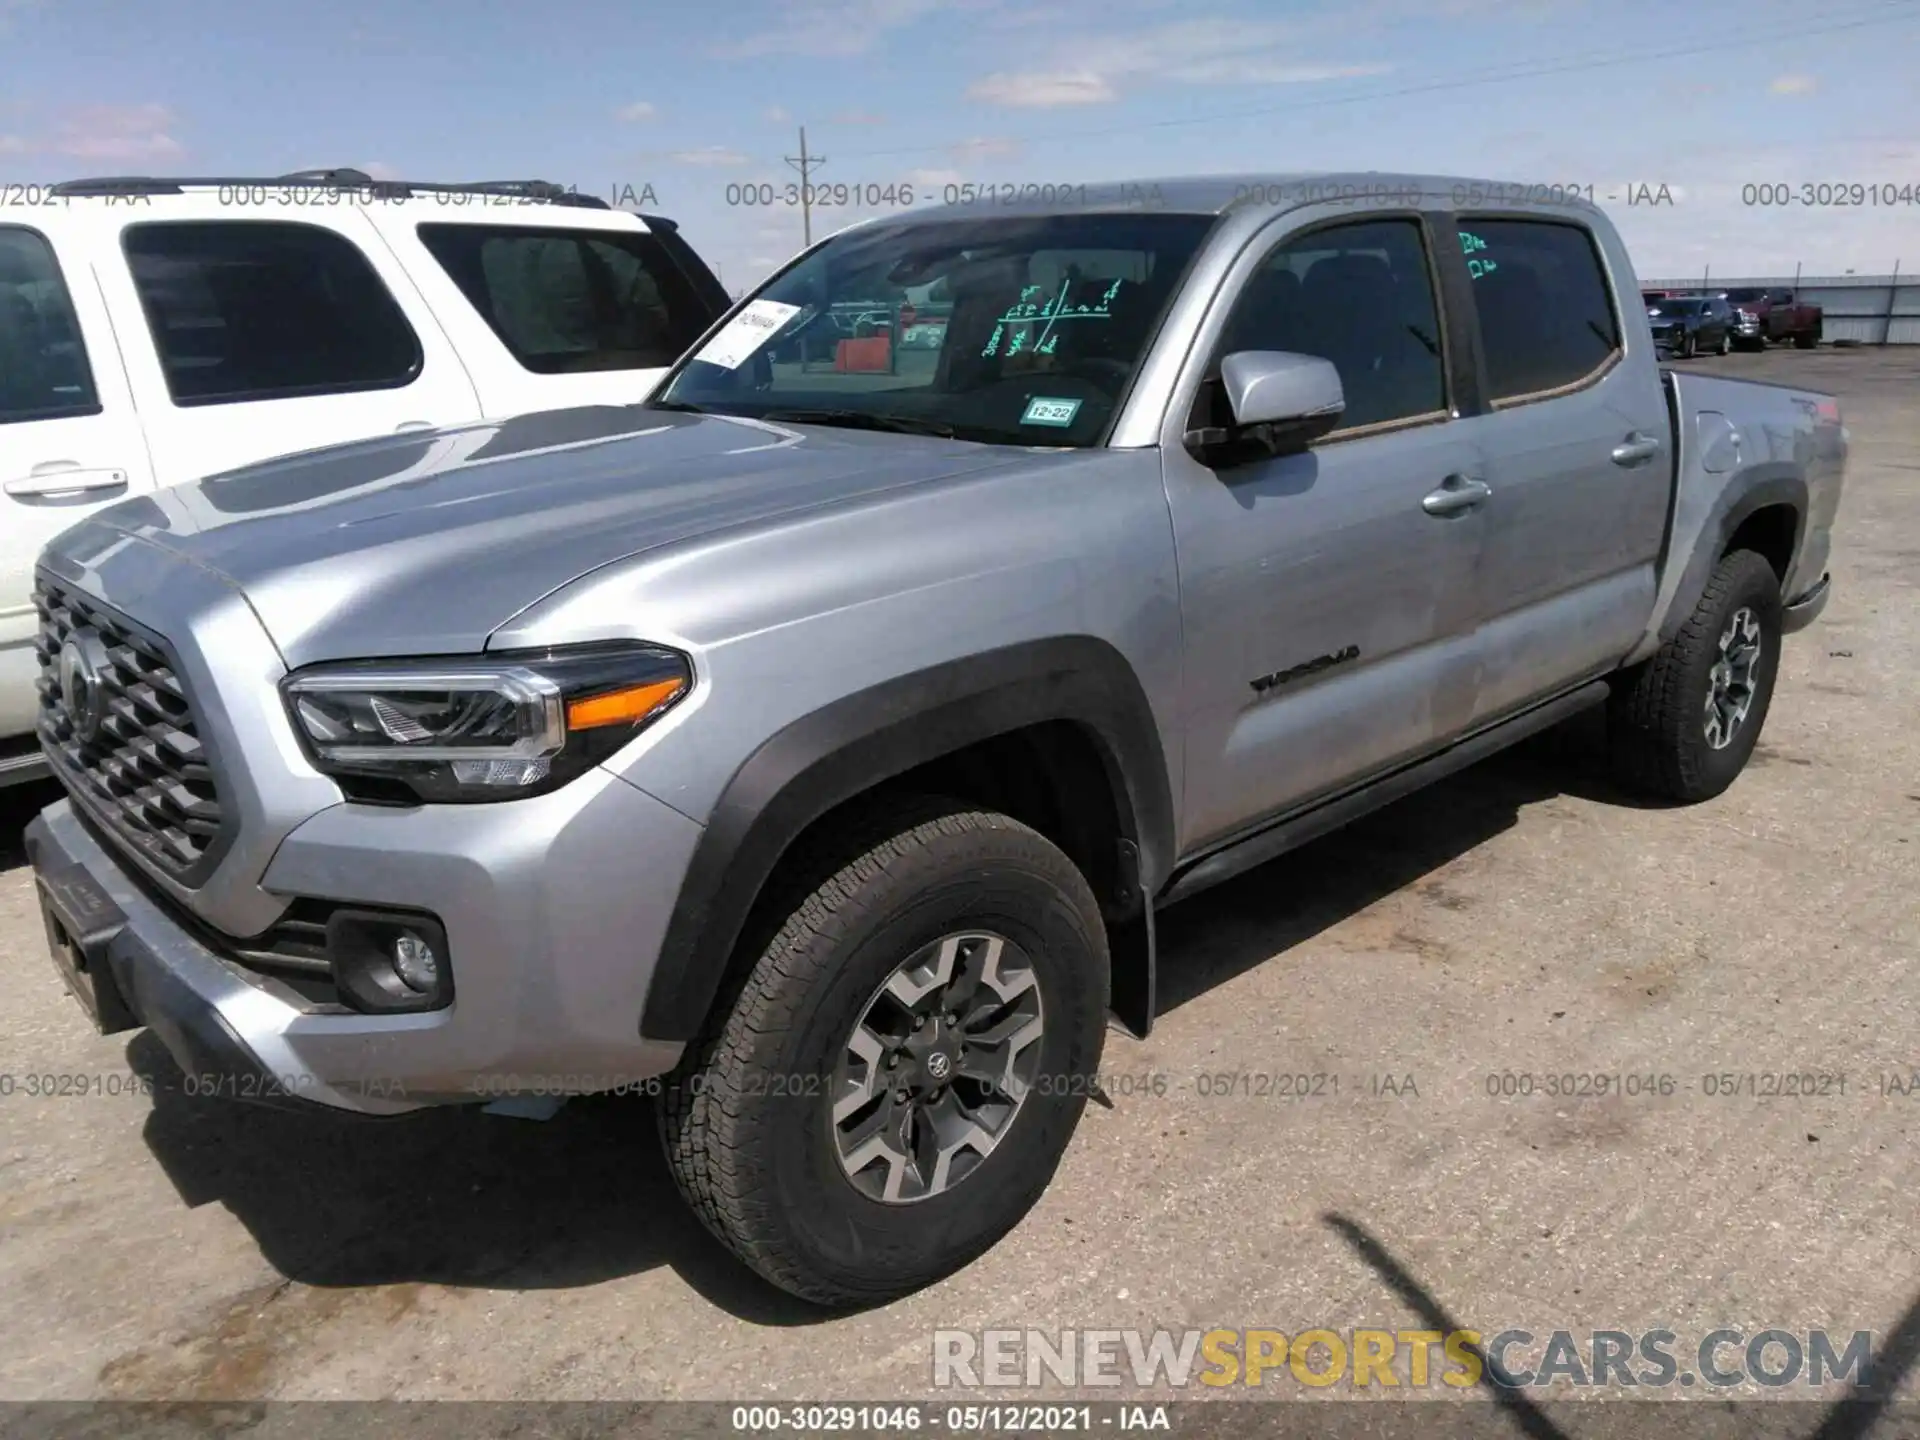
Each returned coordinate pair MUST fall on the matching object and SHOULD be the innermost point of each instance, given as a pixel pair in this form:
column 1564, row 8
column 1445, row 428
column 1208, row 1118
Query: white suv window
column 44, row 373
column 567, row 300
column 244, row 310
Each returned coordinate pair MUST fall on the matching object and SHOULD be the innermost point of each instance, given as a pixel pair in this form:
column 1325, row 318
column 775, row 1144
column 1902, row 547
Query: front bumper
column 554, row 909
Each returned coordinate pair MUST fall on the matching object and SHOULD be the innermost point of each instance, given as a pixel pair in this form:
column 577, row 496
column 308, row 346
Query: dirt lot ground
column 1520, row 919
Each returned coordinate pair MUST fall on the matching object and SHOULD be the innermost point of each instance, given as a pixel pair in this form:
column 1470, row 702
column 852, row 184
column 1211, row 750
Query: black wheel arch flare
column 864, row 739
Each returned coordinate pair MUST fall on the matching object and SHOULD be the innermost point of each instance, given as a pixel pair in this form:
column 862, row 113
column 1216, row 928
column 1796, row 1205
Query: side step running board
column 1296, row 830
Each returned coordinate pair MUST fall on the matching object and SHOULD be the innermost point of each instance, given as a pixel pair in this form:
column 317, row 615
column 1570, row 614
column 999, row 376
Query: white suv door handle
column 405, row 425
column 66, row 482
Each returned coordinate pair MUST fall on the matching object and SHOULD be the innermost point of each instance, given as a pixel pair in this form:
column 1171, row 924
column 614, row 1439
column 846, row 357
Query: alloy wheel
column 1731, row 683
column 937, row 1068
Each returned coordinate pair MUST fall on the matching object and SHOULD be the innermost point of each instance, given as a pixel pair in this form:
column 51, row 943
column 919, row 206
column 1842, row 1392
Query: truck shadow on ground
column 461, row 1199
column 1220, row 934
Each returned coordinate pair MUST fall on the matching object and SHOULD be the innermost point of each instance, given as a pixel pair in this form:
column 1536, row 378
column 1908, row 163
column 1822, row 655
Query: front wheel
column 898, row 1078
column 1688, row 346
column 1726, row 343
column 1682, row 724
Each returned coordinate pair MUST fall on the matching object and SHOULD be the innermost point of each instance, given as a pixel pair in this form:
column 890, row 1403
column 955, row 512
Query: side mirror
column 1280, row 401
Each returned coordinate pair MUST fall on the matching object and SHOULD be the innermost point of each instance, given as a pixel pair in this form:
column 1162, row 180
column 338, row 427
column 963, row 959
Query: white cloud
column 778, row 115
column 379, row 170
column 1794, row 85
column 1042, row 89
column 856, row 117
column 983, row 148
column 1193, row 52
column 708, row 155
column 1235, row 70
column 13, row 145
column 831, row 27
column 934, row 179
column 763, row 261
column 637, row 111
column 116, row 132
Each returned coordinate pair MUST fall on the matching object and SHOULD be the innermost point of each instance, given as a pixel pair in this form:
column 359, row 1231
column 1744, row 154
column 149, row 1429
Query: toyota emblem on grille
column 80, row 689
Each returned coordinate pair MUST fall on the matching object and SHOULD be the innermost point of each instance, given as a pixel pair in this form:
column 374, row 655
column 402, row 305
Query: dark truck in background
column 1779, row 315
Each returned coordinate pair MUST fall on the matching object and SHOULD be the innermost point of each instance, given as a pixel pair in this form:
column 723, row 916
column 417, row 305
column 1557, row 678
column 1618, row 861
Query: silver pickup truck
column 814, row 745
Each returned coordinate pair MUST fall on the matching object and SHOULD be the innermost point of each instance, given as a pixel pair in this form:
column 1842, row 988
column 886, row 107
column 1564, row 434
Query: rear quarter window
column 564, row 301
column 1547, row 319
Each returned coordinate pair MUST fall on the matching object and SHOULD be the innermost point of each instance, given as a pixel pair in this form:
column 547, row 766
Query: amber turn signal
column 622, row 707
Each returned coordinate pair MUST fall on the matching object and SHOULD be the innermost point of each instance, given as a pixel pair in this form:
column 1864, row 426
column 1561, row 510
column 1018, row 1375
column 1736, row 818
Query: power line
column 1899, row 12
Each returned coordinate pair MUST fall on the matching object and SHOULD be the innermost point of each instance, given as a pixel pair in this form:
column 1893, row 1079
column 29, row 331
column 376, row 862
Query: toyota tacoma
column 815, row 745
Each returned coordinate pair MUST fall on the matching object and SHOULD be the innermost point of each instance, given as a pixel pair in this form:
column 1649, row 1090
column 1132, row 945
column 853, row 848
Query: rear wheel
column 1688, row 346
column 1726, row 343
column 1806, row 340
column 900, row 1074
column 1682, row 724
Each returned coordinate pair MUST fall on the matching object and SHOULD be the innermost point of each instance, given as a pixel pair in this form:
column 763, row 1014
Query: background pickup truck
column 816, row 748
column 1778, row 316
column 154, row 331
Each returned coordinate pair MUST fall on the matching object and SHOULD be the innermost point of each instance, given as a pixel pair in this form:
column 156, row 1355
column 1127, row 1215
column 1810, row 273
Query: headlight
column 496, row 727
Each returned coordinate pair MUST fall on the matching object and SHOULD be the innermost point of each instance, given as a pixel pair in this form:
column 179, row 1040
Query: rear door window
column 44, row 374
column 244, row 310
column 1546, row 313
column 564, row 301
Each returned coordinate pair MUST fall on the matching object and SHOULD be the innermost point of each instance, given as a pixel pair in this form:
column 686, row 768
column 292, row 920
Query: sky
column 692, row 110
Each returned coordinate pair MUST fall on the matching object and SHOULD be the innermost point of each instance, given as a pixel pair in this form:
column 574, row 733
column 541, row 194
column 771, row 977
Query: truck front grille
column 132, row 753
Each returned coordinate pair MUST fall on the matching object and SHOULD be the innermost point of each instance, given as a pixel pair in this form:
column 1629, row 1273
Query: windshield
column 1012, row 330
column 1680, row 307
column 1745, row 296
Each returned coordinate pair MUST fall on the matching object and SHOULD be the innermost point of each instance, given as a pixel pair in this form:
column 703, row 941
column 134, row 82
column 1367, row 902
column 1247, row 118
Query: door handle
column 1456, row 493
column 405, row 425
column 1637, row 449
column 48, row 481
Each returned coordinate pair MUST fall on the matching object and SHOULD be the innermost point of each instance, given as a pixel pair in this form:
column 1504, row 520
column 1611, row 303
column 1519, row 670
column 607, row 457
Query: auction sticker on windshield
column 756, row 324
column 1042, row 411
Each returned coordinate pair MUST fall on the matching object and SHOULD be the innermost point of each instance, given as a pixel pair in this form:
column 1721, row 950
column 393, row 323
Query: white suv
column 155, row 331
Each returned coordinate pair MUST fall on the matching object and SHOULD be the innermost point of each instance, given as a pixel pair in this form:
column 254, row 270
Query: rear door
column 1576, row 445
column 552, row 306
column 256, row 330
column 70, row 441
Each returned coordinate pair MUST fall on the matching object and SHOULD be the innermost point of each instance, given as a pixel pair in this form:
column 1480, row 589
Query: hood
column 426, row 543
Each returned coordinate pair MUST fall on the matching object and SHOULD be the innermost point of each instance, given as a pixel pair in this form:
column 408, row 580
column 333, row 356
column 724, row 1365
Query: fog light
column 415, row 962
column 389, row 960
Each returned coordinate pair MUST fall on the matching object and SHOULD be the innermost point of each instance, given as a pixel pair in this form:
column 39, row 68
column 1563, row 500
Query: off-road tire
column 1807, row 340
column 746, row 1119
column 1656, row 735
column 1726, row 344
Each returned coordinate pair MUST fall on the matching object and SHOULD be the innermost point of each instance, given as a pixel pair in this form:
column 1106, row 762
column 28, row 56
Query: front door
column 1325, row 596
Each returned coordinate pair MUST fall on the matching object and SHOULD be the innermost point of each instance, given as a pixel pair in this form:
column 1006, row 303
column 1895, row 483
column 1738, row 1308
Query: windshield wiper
column 860, row 420
column 676, row 405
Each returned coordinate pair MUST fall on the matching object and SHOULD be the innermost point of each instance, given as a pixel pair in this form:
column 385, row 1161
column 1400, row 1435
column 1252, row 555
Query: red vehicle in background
column 1778, row 315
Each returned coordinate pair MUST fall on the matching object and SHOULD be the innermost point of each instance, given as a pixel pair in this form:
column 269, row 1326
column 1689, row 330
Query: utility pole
column 805, row 165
